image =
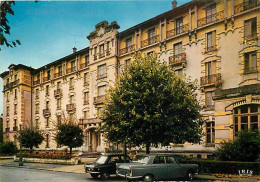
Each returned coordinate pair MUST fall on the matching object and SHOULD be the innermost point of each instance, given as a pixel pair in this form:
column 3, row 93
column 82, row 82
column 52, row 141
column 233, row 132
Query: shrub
column 46, row 156
column 8, row 148
column 245, row 148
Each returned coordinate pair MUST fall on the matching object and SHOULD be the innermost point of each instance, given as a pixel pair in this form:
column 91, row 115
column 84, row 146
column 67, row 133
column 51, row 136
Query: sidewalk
column 79, row 169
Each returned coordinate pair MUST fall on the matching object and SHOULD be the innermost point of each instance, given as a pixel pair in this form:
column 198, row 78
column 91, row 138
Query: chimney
column 74, row 49
column 174, row 4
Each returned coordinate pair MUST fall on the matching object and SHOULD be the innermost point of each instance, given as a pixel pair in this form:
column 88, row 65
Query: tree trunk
column 125, row 149
column 70, row 150
column 148, row 148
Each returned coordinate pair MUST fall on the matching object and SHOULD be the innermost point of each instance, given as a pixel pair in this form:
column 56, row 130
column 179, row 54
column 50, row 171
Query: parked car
column 105, row 165
column 156, row 167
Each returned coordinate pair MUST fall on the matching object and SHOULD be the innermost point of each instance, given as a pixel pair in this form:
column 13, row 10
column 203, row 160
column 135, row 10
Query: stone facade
column 214, row 42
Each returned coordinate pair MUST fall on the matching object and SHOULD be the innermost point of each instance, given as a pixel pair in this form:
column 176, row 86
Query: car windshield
column 101, row 160
column 141, row 159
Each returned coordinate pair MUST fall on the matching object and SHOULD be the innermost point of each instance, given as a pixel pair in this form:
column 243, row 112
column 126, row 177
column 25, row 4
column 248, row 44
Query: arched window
column 246, row 117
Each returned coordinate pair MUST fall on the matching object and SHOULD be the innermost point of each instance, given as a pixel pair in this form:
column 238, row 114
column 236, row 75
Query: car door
column 112, row 164
column 159, row 168
column 174, row 169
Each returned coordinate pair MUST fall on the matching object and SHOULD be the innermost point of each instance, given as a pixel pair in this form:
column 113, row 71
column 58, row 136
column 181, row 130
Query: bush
column 8, row 148
column 225, row 167
column 245, row 148
column 45, row 156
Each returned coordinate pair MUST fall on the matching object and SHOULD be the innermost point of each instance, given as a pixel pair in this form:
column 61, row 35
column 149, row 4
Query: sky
column 48, row 30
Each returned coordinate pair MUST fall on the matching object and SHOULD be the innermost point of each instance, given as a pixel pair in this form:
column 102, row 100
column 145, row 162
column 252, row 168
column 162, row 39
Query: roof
column 16, row 67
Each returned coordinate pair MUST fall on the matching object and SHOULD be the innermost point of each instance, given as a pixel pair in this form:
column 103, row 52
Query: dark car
column 105, row 165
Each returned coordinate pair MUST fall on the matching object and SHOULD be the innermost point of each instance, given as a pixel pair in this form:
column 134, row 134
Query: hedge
column 225, row 167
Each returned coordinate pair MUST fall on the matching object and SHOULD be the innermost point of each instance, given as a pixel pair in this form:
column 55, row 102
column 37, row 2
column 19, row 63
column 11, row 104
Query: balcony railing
column 86, row 102
column 211, row 18
column 150, row 41
column 176, row 31
column 250, row 70
column 15, row 128
column 7, row 130
column 45, row 79
column 251, row 37
column 12, row 84
column 100, row 76
column 46, row 112
column 57, row 74
column 108, row 53
column 36, row 82
column 211, row 48
column 177, row 59
column 246, row 6
column 71, row 108
column 127, row 49
column 101, row 55
column 72, row 69
column 99, row 99
column 210, row 79
column 57, row 93
column 83, row 65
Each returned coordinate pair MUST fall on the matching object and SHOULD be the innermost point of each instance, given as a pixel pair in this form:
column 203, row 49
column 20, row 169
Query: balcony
column 99, row 99
column 211, row 80
column 46, row 112
column 86, row 102
column 57, row 74
column 71, row 108
column 150, row 41
column 11, row 85
column 37, row 82
column 83, row 65
column 100, row 76
column 7, row 129
column 246, row 6
column 249, row 70
column 178, row 59
column 126, row 49
column 211, row 48
column 108, row 53
column 58, row 93
column 15, row 128
column 211, row 18
column 176, row 31
column 251, row 37
column 45, row 79
column 101, row 55
column 70, row 70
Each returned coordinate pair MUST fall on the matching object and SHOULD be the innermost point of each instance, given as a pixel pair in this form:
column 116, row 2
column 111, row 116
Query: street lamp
column 20, row 140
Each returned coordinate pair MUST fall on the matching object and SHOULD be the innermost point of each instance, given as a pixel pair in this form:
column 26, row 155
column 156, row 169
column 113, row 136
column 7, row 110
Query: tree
column 31, row 137
column 70, row 135
column 246, row 147
column 5, row 9
column 149, row 104
column 8, row 148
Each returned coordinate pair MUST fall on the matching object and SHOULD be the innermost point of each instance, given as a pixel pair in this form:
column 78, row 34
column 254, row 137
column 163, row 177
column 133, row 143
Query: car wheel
column 189, row 175
column 104, row 176
column 94, row 176
column 148, row 178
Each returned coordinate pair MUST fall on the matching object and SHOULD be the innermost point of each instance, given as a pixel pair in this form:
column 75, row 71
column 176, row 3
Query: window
column 15, row 122
column 101, row 51
column 7, row 111
column 47, row 141
column 211, row 13
column 86, row 61
column 48, row 75
column 71, row 99
column 246, row 117
column 59, row 71
column 47, row 90
column 47, row 104
column 177, row 50
column 95, row 53
column 127, row 63
column 158, row 160
column 7, row 81
column 85, row 114
column 15, row 77
column 129, row 44
column 85, row 79
column 210, row 132
column 37, row 93
column 37, row 124
column 211, row 41
column 100, row 111
column 15, row 109
column 37, row 109
column 210, row 68
column 59, row 119
column 47, row 122
column 85, row 98
column 179, row 25
column 58, row 103
column 102, row 71
column 58, row 85
column 73, row 66
column 209, row 100
column 71, row 83
column 250, row 31
column 250, row 62
column 151, row 36
column 248, row 4
column 15, row 94
column 178, row 72
column 102, row 90
column 108, row 49
column 7, row 97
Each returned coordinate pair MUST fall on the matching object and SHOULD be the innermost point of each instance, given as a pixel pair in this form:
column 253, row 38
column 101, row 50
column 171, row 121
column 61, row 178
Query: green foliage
column 150, row 104
column 70, row 135
column 244, row 148
column 225, row 167
column 8, row 148
column 31, row 137
column 5, row 9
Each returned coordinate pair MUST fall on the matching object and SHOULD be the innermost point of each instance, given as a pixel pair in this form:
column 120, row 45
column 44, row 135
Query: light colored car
column 156, row 167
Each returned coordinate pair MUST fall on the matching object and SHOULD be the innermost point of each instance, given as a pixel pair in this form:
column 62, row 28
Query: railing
column 211, row 18
column 246, row 6
column 15, row 128
column 177, row 59
column 15, row 112
column 36, row 82
column 71, row 107
column 150, row 40
column 7, row 130
column 210, row 79
column 95, row 57
column 86, row 102
column 46, row 112
column 45, row 79
column 12, row 84
column 176, row 31
column 250, row 70
column 72, row 69
column 99, row 99
column 127, row 49
column 101, row 55
column 83, row 65
column 57, row 74
column 250, row 37
column 37, row 112
column 107, row 53
column 58, row 93
column 100, row 76
column 211, row 48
